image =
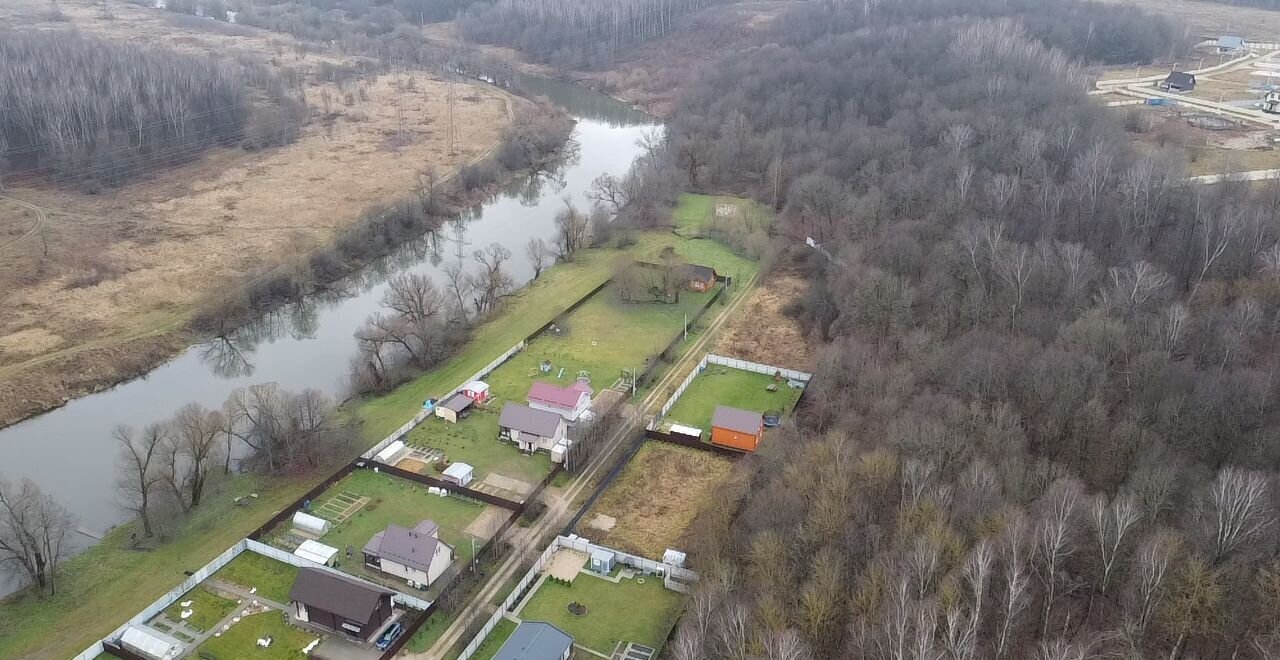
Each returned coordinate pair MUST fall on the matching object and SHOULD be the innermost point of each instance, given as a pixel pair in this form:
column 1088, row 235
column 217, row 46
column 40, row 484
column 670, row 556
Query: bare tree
column 537, row 250
column 1112, row 523
column 1151, row 569
column 460, row 285
column 571, row 231
column 1015, row 593
column 1237, row 510
column 1054, row 544
column 492, row 283
column 33, row 533
column 138, row 478
column 196, row 433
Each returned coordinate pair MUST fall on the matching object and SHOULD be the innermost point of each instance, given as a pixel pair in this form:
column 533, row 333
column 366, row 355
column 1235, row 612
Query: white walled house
column 418, row 555
column 568, row 402
column 532, row 430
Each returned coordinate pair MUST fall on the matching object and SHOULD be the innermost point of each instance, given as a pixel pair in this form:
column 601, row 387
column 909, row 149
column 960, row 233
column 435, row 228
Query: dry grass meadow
column 657, row 497
column 102, row 286
column 763, row 333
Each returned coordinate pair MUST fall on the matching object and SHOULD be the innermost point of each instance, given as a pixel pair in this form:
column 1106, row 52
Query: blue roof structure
column 1234, row 43
column 535, row 640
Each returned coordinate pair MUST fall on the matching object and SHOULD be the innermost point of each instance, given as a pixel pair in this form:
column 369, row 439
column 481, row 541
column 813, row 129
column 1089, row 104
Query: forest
column 1043, row 425
column 85, row 109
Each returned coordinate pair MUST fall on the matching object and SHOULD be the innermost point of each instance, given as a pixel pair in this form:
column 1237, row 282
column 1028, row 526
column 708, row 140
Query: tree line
column 83, row 108
column 1044, row 421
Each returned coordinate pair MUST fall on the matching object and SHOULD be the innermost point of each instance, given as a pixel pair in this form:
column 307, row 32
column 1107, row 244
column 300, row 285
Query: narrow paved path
column 560, row 509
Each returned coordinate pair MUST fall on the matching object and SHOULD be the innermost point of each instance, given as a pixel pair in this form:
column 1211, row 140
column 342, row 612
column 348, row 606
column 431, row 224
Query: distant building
column 569, row 402
column 477, row 390
column 536, row 640
column 530, row 429
column 1271, row 102
column 1178, row 81
column 417, row 555
column 699, row 278
column 1231, row 45
column 338, row 603
column 736, row 428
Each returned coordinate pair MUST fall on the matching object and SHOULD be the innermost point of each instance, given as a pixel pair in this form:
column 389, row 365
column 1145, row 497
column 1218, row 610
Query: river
column 70, row 452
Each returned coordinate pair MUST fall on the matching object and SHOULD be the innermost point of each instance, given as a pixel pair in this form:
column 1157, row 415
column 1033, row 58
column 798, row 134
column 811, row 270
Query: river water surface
column 70, row 452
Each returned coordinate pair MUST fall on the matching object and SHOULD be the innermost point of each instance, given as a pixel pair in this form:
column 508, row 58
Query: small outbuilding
column 389, row 453
column 460, row 474
column 1231, row 45
column 680, row 430
column 699, row 278
column 736, row 428
column 476, row 390
column 317, row 552
column 310, row 525
column 1271, row 102
column 454, row 407
column 150, row 643
column 536, row 640
column 1178, row 81
column 674, row 558
column 602, row 561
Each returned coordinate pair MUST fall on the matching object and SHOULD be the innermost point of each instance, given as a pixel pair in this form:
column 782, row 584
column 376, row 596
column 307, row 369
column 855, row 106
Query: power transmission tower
column 452, row 137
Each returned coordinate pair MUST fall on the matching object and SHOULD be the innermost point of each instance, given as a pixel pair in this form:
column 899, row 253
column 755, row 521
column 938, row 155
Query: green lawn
column 429, row 632
column 242, row 640
column 475, row 441
column 723, row 386
column 104, row 586
column 695, row 213
column 400, row 502
column 626, row 611
column 489, row 647
column 273, row 579
column 207, row 608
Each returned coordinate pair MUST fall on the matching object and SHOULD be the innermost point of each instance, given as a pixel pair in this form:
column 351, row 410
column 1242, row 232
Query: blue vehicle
column 390, row 636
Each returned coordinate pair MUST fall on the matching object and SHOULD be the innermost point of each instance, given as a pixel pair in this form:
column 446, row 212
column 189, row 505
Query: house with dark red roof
column 570, row 402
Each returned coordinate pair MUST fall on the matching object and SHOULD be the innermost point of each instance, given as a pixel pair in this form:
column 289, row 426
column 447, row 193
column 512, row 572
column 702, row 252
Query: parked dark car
column 772, row 418
column 390, row 636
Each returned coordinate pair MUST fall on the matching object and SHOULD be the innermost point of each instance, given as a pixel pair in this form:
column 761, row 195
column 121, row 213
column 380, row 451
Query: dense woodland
column 83, row 108
column 1045, row 421
column 574, row 33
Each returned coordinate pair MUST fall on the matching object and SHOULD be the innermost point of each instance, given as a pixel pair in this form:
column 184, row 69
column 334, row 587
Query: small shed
column 674, row 558
column 317, row 552
column 454, row 407
column 459, row 473
column 686, row 431
column 602, row 561
column 476, row 390
column 736, row 428
column 560, row 449
column 310, row 525
column 150, row 643
column 699, row 278
column 1178, row 81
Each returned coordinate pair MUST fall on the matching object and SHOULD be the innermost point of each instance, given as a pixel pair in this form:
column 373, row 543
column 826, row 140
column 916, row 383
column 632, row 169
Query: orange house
column 736, row 428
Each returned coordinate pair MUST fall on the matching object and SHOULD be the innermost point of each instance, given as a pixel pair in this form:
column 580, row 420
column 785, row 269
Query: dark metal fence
column 288, row 511
column 668, row 352
column 428, row 480
column 686, row 441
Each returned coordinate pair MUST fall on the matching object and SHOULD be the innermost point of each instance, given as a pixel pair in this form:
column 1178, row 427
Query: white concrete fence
column 647, row 566
column 732, row 363
column 294, row 560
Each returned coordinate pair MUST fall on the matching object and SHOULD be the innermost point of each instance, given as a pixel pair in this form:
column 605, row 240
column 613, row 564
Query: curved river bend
column 70, row 453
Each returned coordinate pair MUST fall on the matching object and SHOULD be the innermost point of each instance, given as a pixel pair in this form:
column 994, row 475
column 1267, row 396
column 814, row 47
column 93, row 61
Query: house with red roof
column 569, row 402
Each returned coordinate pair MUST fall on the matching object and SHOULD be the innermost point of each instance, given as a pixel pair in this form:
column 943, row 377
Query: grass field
column 403, row 503
column 475, row 441
column 656, row 498
column 723, row 386
column 107, row 584
column 489, row 647
column 207, row 608
column 241, row 641
column 626, row 611
column 272, row 579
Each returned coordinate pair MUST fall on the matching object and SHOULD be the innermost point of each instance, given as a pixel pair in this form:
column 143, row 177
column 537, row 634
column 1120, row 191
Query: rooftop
column 535, row 640
column 413, row 548
column 457, row 403
column 737, row 419
column 554, row 395
column 344, row 596
column 527, row 420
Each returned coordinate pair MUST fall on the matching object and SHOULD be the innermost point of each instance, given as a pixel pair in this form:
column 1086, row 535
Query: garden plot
column 464, row 524
column 724, row 386
column 612, row 612
column 651, row 505
column 241, row 640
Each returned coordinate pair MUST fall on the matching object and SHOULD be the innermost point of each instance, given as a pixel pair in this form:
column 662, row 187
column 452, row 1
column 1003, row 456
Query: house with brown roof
column 569, row 402
column 532, row 430
column 736, row 428
column 338, row 603
column 417, row 555
column 699, row 278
